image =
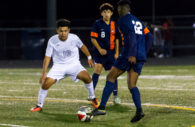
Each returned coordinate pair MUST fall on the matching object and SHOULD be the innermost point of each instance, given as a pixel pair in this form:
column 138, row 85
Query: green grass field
column 161, row 87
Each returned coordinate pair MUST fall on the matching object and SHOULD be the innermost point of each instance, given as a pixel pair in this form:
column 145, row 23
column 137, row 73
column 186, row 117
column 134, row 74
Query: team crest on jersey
column 103, row 34
column 67, row 53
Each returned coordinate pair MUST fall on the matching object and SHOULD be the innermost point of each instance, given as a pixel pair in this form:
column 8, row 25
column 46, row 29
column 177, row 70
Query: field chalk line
column 12, row 125
column 6, row 98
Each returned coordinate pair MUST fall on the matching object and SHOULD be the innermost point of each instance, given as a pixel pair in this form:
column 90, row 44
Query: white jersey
column 64, row 52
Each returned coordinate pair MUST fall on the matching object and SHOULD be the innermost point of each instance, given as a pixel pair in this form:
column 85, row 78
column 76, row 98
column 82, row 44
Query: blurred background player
column 137, row 42
column 63, row 48
column 168, row 37
column 104, row 37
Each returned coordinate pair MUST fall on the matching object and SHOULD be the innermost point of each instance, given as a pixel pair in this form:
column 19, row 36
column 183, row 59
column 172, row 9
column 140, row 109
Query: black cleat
column 97, row 112
column 137, row 117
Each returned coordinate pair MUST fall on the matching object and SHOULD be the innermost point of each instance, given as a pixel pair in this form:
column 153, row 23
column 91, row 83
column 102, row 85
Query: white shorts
column 60, row 71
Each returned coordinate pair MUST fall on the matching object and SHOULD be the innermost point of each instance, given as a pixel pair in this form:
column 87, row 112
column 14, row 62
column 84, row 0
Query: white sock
column 41, row 97
column 90, row 90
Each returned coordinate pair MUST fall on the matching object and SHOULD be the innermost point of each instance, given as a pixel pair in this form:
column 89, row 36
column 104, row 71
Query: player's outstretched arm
column 46, row 62
column 85, row 50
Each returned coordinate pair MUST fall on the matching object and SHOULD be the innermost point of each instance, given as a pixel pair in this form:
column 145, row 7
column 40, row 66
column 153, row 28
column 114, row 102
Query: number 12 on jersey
column 138, row 27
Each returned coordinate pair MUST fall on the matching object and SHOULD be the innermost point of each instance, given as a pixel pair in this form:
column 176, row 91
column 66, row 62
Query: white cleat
column 117, row 101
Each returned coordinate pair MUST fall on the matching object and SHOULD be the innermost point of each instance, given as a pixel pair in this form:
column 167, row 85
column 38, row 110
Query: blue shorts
column 122, row 63
column 107, row 61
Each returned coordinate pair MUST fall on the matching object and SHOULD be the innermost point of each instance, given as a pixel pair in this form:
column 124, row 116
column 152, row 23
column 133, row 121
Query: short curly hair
column 106, row 6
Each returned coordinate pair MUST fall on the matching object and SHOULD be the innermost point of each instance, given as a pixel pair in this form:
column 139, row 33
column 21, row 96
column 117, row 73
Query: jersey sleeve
column 94, row 31
column 149, row 38
column 79, row 43
column 49, row 49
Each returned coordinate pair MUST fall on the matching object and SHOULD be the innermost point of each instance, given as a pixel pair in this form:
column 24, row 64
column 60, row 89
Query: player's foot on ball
column 97, row 112
column 36, row 109
column 95, row 103
column 117, row 101
column 137, row 117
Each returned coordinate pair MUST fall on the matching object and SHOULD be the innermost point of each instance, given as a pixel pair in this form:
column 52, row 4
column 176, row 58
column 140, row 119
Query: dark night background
column 30, row 13
column 24, row 29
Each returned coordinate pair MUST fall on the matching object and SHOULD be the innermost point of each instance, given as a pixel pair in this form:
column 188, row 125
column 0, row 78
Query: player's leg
column 56, row 73
column 131, row 81
column 95, row 76
column 110, row 81
column 132, row 78
column 85, row 77
column 43, row 93
column 115, row 93
column 119, row 67
column 107, row 66
column 44, row 89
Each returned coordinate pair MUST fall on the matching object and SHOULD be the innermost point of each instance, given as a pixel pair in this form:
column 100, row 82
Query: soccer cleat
column 95, row 103
column 117, row 101
column 97, row 112
column 36, row 109
column 137, row 117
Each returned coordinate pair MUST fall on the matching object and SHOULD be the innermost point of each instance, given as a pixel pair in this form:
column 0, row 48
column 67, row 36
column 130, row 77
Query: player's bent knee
column 48, row 83
column 131, row 86
column 88, row 80
column 98, row 69
column 45, row 87
column 85, row 77
column 110, row 77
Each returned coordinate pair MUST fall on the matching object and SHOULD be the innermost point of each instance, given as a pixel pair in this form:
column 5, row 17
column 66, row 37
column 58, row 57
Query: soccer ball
column 84, row 114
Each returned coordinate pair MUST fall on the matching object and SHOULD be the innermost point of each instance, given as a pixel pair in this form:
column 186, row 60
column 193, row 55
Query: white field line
column 154, row 88
column 101, row 88
column 165, row 89
column 188, row 77
column 167, row 77
column 18, row 83
column 15, row 90
column 12, row 125
column 21, row 98
column 75, row 86
column 121, row 77
column 177, row 70
column 25, row 73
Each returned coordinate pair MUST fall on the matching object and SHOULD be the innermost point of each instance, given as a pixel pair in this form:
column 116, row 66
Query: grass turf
column 170, row 85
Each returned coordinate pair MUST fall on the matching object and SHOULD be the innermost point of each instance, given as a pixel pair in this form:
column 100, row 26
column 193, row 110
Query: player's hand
column 42, row 79
column 116, row 56
column 90, row 62
column 102, row 52
column 132, row 59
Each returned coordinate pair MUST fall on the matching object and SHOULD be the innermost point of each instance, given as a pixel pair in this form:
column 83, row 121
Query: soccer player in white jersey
column 64, row 50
